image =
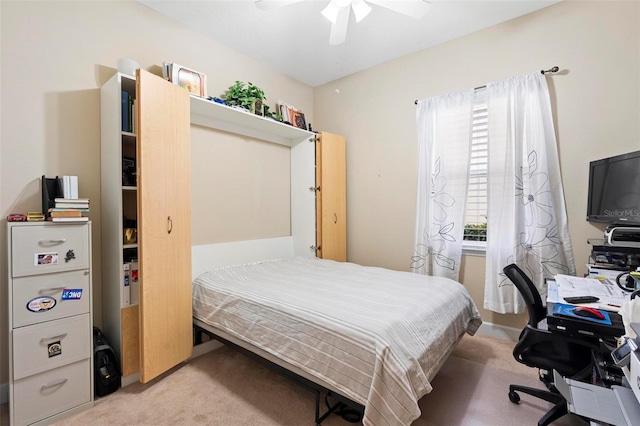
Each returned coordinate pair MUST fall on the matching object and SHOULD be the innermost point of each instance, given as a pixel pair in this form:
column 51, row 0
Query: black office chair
column 545, row 350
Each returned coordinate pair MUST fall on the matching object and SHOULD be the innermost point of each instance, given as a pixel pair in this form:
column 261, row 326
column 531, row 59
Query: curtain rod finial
column 553, row 69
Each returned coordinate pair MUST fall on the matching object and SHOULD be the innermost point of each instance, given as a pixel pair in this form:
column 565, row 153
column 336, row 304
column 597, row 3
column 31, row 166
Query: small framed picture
column 297, row 120
column 257, row 107
column 300, row 123
column 195, row 82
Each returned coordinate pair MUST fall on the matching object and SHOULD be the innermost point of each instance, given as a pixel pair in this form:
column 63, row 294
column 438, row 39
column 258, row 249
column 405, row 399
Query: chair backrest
column 530, row 294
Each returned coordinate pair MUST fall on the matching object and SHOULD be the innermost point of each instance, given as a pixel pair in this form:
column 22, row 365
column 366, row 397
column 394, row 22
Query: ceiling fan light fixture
column 360, row 9
column 331, row 12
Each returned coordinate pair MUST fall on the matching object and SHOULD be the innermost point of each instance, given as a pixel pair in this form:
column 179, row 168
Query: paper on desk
column 606, row 290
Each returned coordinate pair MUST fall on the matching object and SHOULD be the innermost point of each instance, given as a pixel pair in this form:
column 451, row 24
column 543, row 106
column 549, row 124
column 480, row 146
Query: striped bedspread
column 378, row 336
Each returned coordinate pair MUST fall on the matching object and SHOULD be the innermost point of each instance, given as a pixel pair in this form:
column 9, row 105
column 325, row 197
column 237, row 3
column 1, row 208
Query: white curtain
column 444, row 140
column 527, row 222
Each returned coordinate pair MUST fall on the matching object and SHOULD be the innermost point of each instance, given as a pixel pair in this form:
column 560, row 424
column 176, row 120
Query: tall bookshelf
column 119, row 211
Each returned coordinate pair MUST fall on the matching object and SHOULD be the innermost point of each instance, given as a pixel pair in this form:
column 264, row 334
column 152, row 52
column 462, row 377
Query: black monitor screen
column 614, row 189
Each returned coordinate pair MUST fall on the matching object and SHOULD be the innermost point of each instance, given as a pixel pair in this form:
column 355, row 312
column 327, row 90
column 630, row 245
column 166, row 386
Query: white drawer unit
column 45, row 249
column 49, row 345
column 39, row 298
column 46, row 394
column 50, row 321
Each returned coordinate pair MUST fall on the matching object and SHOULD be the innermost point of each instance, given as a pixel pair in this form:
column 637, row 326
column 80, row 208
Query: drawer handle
column 58, row 337
column 60, row 241
column 50, row 290
column 54, row 384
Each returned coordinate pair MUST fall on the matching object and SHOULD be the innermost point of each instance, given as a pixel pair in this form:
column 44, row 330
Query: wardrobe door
column 331, row 201
column 164, row 229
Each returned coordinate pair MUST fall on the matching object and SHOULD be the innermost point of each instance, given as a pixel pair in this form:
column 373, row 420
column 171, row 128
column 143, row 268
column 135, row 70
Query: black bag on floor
column 105, row 365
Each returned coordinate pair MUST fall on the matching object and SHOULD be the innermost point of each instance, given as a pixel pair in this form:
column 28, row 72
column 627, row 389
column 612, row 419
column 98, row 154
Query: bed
column 375, row 336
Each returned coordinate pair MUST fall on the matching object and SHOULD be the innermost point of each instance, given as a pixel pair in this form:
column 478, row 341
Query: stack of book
column 69, row 210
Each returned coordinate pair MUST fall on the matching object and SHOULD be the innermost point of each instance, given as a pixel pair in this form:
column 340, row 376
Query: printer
column 622, row 236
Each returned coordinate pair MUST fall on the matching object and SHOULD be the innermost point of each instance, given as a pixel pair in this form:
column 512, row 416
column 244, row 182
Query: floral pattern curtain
column 527, row 222
column 444, row 141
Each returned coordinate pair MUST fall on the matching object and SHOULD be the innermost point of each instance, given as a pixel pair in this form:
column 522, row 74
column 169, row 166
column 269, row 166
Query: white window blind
column 476, row 208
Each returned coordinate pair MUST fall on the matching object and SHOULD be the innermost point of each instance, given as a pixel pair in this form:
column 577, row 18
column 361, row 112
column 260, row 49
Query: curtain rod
column 550, row 70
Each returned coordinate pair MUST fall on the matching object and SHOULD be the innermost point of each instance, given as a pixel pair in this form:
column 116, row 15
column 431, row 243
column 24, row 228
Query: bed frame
column 212, row 256
column 206, row 257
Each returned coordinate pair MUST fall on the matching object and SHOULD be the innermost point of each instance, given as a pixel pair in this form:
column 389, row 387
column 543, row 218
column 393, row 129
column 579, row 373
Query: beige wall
column 595, row 99
column 55, row 57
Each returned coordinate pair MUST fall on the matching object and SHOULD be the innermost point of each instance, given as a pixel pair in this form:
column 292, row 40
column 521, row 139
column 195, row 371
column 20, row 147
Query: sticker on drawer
column 72, row 294
column 50, row 258
column 54, row 349
column 41, row 304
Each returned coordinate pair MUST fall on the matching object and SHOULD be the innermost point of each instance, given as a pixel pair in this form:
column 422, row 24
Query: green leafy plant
column 240, row 95
column 475, row 232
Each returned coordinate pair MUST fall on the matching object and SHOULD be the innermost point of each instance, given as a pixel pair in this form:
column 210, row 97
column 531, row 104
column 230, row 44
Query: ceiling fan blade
column 412, row 8
column 273, row 4
column 339, row 29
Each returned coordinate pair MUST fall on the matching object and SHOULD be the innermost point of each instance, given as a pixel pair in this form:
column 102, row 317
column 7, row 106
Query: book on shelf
column 130, row 289
column 73, row 186
column 67, row 203
column 126, row 290
column 70, row 187
column 67, row 209
column 66, row 213
column 128, row 110
column 72, row 200
column 125, row 111
column 69, row 219
column 77, row 206
column 135, row 289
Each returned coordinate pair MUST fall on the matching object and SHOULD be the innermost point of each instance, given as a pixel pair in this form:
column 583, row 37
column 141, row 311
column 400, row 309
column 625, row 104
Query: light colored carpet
column 225, row 387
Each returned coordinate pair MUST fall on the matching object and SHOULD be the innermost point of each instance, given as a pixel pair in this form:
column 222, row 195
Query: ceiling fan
column 338, row 11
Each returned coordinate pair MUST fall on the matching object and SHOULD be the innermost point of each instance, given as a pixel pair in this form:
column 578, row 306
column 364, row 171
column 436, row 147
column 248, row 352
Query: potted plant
column 249, row 97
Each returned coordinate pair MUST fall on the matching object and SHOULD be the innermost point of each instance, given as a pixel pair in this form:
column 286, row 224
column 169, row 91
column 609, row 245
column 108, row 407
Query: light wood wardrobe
column 331, row 197
column 149, row 325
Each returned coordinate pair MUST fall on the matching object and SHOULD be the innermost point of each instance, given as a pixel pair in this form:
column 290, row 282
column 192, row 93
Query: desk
column 616, row 405
column 576, row 327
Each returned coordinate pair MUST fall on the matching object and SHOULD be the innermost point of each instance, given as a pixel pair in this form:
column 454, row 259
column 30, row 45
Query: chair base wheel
column 514, row 397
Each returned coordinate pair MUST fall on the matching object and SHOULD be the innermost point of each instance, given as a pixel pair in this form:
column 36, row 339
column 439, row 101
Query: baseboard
column 4, row 392
column 130, row 379
column 499, row 331
column 205, row 347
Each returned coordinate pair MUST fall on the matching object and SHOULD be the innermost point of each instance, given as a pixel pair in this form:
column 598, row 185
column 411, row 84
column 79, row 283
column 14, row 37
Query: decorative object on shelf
column 35, row 217
column 130, row 235
column 128, row 171
column 217, row 100
column 257, row 107
column 239, row 95
column 291, row 115
column 195, row 82
column 268, row 114
column 16, row 217
column 128, row 66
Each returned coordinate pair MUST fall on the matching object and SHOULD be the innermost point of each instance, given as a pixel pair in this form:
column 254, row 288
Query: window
column 475, row 228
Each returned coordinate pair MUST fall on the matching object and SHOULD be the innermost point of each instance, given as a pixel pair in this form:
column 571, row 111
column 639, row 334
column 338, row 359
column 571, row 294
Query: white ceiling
column 294, row 39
